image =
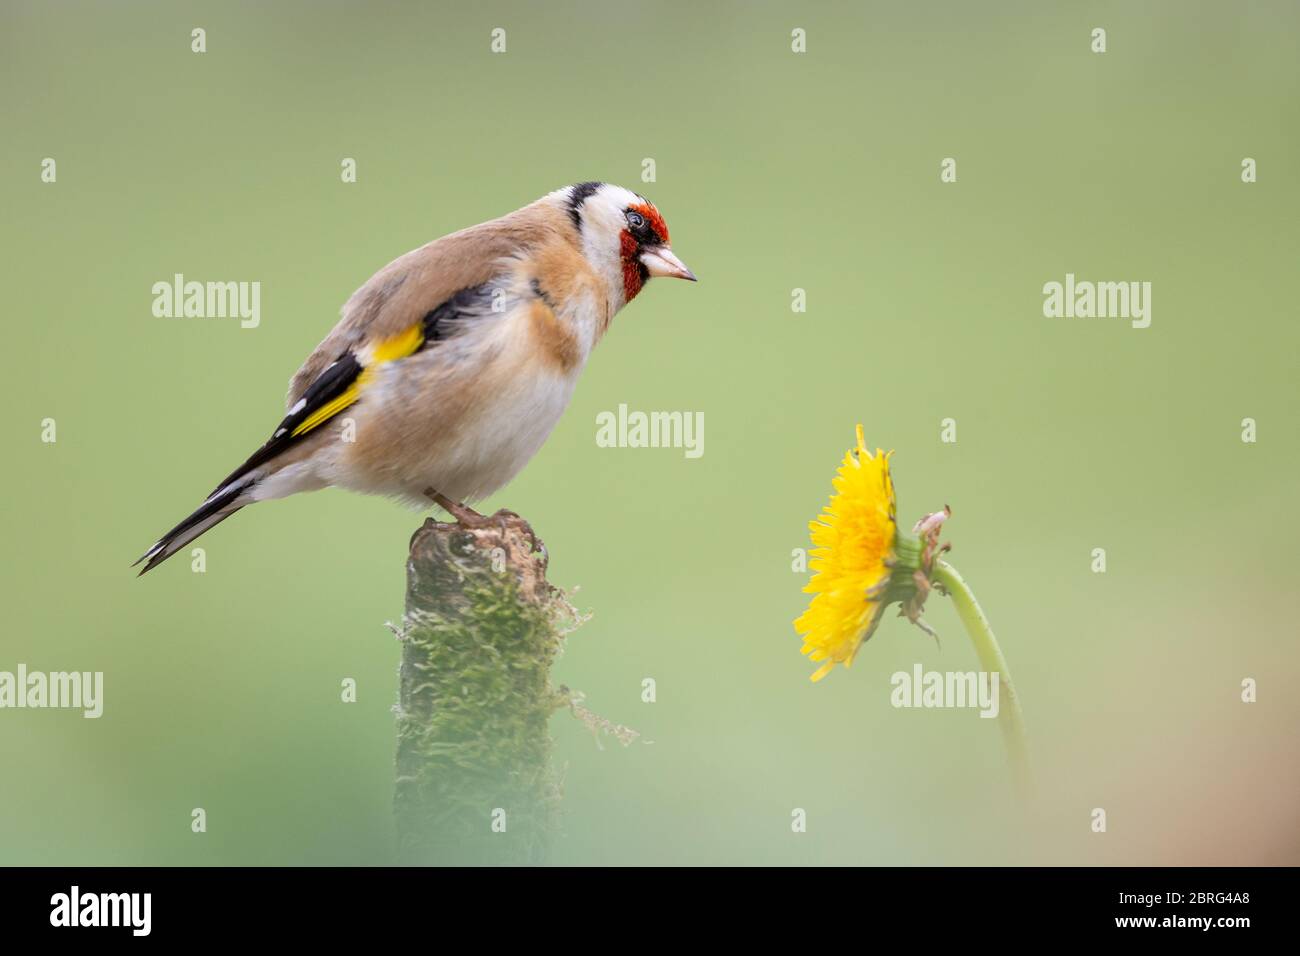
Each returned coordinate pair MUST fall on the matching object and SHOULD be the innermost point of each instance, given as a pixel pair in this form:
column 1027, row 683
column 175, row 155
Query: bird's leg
column 467, row 517
column 464, row 514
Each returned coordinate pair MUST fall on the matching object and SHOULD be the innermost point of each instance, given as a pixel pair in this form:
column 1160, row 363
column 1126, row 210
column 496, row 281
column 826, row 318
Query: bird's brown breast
column 556, row 344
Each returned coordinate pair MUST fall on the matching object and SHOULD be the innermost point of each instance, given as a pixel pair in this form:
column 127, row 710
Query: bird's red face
column 644, row 250
column 622, row 236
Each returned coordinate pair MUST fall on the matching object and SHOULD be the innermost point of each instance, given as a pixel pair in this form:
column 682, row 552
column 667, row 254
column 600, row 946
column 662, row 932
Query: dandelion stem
column 991, row 659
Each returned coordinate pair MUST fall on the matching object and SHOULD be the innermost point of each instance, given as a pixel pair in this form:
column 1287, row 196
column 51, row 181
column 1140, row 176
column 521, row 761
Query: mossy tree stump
column 475, row 782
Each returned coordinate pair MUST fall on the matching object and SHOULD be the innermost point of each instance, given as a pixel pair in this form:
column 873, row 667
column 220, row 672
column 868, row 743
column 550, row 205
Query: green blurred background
column 775, row 171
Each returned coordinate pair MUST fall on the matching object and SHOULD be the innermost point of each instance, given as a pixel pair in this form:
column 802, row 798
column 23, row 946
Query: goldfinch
column 451, row 365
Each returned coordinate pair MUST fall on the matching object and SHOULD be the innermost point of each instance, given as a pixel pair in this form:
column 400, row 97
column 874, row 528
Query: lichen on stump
column 481, row 630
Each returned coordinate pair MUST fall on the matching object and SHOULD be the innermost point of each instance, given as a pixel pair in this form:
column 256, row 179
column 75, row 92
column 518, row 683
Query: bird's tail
column 223, row 503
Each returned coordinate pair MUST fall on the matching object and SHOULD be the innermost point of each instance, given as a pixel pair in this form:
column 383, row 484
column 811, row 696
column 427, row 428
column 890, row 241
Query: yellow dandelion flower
column 853, row 557
column 862, row 563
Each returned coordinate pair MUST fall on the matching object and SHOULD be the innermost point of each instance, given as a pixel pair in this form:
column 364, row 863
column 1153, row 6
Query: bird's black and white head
column 623, row 236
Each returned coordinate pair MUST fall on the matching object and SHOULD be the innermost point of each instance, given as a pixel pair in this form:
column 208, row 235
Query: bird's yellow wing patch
column 389, row 350
column 329, row 410
column 399, row 346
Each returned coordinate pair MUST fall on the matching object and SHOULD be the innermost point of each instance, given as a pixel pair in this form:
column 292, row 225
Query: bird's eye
column 635, row 220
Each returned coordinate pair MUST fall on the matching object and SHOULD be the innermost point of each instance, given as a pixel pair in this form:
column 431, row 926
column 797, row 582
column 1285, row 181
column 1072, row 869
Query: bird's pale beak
column 660, row 261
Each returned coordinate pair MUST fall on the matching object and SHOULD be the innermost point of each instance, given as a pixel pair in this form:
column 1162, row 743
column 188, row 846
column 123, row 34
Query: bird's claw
column 507, row 518
column 471, row 520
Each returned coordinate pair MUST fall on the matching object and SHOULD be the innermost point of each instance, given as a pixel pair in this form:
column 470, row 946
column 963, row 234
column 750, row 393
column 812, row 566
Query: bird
column 451, row 365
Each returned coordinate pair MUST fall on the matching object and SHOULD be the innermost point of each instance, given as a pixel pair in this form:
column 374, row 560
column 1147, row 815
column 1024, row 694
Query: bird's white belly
column 496, row 439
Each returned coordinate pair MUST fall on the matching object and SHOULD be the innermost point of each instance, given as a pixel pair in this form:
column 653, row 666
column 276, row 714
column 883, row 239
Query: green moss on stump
column 481, row 631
